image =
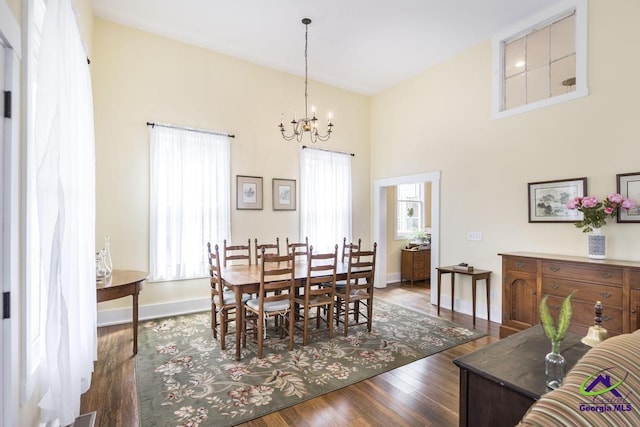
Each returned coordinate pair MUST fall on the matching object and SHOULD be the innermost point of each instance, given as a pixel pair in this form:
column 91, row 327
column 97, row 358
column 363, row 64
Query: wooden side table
column 121, row 284
column 476, row 274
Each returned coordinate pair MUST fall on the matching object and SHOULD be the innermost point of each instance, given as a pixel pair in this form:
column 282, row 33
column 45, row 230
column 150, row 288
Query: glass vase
column 101, row 272
column 555, row 366
column 107, row 256
column 597, row 244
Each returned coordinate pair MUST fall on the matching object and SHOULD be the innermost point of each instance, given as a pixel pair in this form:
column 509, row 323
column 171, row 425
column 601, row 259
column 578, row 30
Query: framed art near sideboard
column 284, row 194
column 248, row 192
column 548, row 200
column 628, row 185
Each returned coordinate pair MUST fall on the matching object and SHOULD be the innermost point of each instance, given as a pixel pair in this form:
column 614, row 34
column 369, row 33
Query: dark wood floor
column 423, row 393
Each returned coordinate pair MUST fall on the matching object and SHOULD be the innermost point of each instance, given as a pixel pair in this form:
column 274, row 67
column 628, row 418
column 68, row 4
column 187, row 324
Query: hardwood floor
column 423, row 393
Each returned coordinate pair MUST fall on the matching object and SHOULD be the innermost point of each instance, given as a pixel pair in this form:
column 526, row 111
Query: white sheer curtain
column 325, row 197
column 65, row 159
column 190, row 200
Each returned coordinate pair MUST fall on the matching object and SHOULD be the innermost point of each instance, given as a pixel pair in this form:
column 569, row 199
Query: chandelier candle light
column 306, row 124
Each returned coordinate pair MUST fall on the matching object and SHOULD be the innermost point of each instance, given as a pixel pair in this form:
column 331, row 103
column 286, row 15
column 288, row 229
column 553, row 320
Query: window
column 410, row 214
column 190, row 200
column 325, row 198
column 541, row 62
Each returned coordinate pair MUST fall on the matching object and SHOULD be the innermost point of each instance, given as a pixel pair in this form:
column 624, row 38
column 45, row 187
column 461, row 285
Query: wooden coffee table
column 499, row 382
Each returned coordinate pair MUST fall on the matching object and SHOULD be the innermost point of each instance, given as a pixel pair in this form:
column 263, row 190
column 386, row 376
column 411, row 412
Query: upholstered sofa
column 602, row 389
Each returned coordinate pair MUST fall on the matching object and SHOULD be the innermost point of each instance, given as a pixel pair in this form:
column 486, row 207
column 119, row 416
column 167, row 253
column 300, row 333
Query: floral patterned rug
column 185, row 379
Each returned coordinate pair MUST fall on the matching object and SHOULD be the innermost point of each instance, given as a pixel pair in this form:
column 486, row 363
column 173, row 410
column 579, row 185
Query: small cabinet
column 519, row 294
column 416, row 265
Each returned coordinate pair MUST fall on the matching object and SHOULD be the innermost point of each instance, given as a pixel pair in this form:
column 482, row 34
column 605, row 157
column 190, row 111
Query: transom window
column 542, row 61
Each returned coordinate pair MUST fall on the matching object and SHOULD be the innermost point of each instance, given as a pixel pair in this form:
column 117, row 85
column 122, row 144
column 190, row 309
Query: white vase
column 597, row 244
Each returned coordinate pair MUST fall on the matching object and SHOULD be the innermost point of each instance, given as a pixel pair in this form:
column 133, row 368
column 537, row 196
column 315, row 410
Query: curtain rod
column 210, row 132
column 330, row 151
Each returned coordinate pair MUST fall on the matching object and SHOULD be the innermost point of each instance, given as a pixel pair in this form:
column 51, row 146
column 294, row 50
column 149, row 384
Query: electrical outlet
column 474, row 235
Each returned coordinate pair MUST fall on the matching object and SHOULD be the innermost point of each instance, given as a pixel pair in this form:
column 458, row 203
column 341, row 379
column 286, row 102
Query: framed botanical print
column 248, row 192
column 628, row 185
column 284, row 194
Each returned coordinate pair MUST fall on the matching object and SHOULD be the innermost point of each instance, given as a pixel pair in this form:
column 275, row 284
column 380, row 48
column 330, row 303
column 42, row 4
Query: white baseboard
column 393, row 277
column 117, row 316
column 466, row 307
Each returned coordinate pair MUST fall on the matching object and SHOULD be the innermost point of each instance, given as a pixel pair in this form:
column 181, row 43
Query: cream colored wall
column 139, row 77
column 440, row 120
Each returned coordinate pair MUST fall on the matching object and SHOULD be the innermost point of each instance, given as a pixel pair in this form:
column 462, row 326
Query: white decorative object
column 597, row 244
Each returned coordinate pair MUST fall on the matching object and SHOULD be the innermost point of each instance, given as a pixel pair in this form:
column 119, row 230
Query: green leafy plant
column 556, row 334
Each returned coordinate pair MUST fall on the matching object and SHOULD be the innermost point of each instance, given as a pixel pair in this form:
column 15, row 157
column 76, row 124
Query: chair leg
column 223, row 328
column 346, row 317
column 291, row 327
column 305, row 325
column 369, row 313
column 330, row 320
column 260, row 329
column 214, row 321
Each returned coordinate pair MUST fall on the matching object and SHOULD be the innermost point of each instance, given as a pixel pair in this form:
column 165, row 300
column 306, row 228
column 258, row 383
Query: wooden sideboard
column 416, row 264
column 527, row 277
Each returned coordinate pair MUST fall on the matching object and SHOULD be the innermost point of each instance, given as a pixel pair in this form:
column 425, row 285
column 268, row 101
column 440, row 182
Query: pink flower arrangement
column 596, row 212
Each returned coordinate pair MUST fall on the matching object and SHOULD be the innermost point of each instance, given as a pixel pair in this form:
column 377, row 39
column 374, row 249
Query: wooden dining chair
column 354, row 300
column 269, row 248
column 348, row 247
column 223, row 301
column 298, row 248
column 319, row 288
column 237, row 252
column 275, row 299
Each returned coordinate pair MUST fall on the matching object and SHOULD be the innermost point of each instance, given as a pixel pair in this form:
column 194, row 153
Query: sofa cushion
column 601, row 368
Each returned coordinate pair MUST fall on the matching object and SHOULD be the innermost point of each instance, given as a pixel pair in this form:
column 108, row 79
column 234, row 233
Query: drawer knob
column 606, row 318
column 555, row 268
column 606, row 275
column 554, row 286
column 606, row 294
column 555, row 307
column 520, row 264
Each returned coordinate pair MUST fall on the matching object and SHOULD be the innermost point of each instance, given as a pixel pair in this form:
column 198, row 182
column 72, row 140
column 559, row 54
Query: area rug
column 185, row 379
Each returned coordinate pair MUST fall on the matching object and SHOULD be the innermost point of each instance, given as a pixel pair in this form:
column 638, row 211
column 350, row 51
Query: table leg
column 239, row 319
column 487, row 281
column 473, row 298
column 439, row 287
column 135, row 323
column 453, row 291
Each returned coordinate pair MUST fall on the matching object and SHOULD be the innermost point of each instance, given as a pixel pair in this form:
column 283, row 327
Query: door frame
column 380, row 222
column 10, row 218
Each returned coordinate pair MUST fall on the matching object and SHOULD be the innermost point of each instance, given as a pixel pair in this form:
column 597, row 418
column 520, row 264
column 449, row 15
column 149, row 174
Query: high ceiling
column 361, row 45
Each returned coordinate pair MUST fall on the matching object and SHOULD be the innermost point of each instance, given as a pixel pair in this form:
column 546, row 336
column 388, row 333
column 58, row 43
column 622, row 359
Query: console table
column 527, row 277
column 499, row 382
column 123, row 283
column 476, row 274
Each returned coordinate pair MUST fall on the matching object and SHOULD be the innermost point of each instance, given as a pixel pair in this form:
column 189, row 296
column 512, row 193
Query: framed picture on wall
column 284, row 194
column 248, row 192
column 548, row 200
column 628, row 185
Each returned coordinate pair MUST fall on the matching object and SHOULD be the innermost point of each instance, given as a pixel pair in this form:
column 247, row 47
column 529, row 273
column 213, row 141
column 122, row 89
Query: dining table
column 245, row 279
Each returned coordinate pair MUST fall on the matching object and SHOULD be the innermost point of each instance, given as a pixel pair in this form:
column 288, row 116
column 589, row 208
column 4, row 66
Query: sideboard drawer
column 583, row 314
column 525, row 265
column 634, row 279
column 603, row 274
column 609, row 295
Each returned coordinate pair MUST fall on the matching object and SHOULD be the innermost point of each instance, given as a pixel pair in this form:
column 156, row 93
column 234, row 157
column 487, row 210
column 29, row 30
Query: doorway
column 380, row 222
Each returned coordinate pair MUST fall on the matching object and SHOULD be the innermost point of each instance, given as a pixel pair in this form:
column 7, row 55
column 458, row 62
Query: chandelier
column 306, row 124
